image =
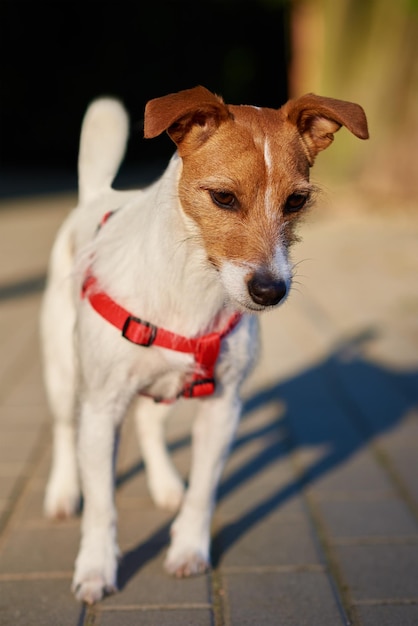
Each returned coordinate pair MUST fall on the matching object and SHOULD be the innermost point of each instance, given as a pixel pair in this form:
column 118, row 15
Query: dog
column 153, row 295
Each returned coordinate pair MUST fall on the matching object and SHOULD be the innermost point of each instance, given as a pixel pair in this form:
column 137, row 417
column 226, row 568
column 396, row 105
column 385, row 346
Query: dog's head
column 245, row 179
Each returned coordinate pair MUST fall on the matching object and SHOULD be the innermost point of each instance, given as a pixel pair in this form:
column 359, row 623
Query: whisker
column 300, row 262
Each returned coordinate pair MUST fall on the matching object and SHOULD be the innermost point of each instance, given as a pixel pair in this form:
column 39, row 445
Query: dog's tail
column 103, row 140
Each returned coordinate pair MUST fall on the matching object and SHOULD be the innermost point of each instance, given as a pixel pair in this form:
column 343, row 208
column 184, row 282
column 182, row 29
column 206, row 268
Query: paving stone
column 405, row 463
column 337, row 267
column 356, row 475
column 31, row 508
column 282, row 599
column 406, row 434
column 394, row 346
column 387, row 615
column 317, row 419
column 11, row 469
column 4, row 505
column 37, row 602
column 142, row 526
column 264, row 475
column 19, row 445
column 177, row 617
column 51, row 547
column 368, row 518
column 28, row 390
column 261, row 493
column 278, row 363
column 143, row 581
column 402, row 452
column 375, row 393
column 21, row 218
column 41, row 471
column 380, row 571
column 16, row 336
column 7, row 484
column 15, row 417
column 272, row 539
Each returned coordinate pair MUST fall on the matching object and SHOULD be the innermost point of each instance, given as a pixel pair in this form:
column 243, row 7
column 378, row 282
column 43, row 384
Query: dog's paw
column 168, row 492
column 93, row 588
column 62, row 499
column 96, row 567
column 188, row 554
column 186, row 562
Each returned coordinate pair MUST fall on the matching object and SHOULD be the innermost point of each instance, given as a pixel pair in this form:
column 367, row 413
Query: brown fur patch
column 233, row 159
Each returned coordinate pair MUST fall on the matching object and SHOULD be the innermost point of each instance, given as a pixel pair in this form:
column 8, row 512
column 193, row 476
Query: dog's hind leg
column 164, row 483
column 213, row 432
column 57, row 333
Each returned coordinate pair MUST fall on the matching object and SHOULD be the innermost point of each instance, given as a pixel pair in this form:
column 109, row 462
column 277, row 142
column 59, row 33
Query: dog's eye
column 223, row 199
column 295, row 202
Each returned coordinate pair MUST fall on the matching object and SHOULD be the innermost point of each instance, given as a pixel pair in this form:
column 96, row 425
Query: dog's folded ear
column 317, row 119
column 193, row 114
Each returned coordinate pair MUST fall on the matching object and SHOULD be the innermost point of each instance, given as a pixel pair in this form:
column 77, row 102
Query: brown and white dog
column 151, row 296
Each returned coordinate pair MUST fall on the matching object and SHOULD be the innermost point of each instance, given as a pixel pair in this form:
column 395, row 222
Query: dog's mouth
column 252, row 307
column 245, row 303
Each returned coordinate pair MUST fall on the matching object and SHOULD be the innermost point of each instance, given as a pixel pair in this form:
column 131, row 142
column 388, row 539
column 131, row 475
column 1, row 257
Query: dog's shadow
column 339, row 405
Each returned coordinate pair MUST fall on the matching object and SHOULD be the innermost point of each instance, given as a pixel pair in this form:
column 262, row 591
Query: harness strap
column 205, row 348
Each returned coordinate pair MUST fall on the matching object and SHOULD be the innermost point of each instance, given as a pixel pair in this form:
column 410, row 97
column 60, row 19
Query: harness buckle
column 139, row 332
column 198, row 388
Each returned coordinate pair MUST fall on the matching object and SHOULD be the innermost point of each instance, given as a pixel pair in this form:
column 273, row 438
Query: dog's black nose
column 266, row 290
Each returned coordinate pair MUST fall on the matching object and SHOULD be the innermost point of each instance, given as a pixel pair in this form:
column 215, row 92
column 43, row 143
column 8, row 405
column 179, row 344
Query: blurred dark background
column 58, row 56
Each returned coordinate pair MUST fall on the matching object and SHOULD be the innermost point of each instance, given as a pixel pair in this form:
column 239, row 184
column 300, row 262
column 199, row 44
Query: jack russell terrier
column 152, row 295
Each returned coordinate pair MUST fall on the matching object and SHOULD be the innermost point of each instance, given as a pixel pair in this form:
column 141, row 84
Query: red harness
column 205, row 348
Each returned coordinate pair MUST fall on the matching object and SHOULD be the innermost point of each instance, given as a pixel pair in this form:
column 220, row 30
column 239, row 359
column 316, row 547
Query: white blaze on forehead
column 267, row 157
column 269, row 199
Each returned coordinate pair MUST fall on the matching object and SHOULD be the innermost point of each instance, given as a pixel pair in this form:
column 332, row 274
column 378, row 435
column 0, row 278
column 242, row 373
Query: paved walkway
column 317, row 520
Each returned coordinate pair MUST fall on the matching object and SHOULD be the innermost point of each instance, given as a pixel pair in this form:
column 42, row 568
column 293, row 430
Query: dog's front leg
column 96, row 563
column 213, row 432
